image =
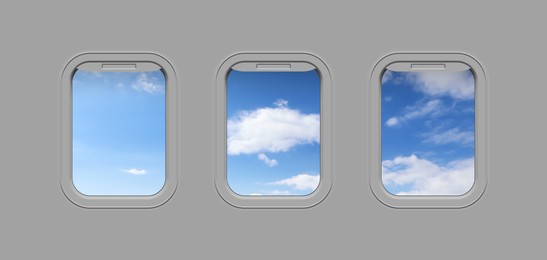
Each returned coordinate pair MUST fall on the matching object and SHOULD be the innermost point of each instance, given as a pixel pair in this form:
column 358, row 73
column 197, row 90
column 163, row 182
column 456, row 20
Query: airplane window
column 273, row 130
column 428, row 121
column 428, row 132
column 118, row 130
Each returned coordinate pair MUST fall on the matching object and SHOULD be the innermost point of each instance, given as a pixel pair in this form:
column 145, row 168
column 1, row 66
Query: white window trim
column 433, row 201
column 171, row 171
column 220, row 119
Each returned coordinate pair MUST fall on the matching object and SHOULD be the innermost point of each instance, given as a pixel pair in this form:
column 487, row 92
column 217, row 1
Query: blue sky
column 428, row 132
column 118, row 132
column 273, row 132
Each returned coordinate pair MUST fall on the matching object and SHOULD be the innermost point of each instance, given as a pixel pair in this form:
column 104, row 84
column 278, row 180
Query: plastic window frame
column 428, row 201
column 220, row 135
column 171, row 145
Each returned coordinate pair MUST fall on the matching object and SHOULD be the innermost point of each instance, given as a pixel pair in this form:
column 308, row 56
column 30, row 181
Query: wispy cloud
column 281, row 103
column 273, row 192
column 424, row 177
column 266, row 160
column 453, row 135
column 302, row 181
column 271, row 129
column 136, row 171
column 432, row 107
column 147, row 84
column 387, row 76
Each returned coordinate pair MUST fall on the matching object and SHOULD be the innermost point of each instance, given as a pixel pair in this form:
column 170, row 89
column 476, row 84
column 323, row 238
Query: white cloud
column 392, row 121
column 456, row 85
column 433, row 107
column 388, row 75
column 144, row 83
column 271, row 130
column 280, row 192
column 388, row 98
column 427, row 178
column 136, row 171
column 453, row 135
column 281, row 103
column 302, row 181
column 273, row 192
column 266, row 160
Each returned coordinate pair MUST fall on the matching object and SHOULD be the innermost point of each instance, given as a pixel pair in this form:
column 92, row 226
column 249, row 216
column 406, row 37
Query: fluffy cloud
column 266, row 160
column 135, row 171
column 427, row 178
column 144, row 83
column 392, row 121
column 302, row 181
column 453, row 135
column 433, row 107
column 276, row 129
column 459, row 86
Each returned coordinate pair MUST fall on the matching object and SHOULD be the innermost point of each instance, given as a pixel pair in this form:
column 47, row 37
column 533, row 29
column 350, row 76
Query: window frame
column 171, row 135
column 220, row 135
column 375, row 110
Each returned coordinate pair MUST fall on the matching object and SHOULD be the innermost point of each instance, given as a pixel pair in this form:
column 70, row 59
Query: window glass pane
column 273, row 132
column 118, row 132
column 428, row 130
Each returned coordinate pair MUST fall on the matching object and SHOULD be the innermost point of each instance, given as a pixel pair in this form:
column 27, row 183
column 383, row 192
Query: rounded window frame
column 171, row 142
column 219, row 158
column 481, row 124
